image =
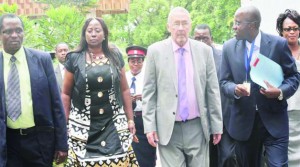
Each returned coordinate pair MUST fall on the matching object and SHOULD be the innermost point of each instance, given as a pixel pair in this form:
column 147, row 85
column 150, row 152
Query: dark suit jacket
column 240, row 114
column 47, row 106
column 2, row 123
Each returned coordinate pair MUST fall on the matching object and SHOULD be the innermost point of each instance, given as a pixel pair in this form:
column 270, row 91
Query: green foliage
column 62, row 24
column 143, row 25
column 147, row 19
column 218, row 14
column 6, row 8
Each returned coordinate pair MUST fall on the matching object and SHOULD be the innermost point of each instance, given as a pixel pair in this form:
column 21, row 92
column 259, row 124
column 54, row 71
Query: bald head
column 176, row 10
column 251, row 14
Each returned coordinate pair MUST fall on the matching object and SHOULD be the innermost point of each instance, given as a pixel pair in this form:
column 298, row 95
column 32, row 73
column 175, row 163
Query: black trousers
column 249, row 153
column 26, row 150
column 145, row 153
column 213, row 153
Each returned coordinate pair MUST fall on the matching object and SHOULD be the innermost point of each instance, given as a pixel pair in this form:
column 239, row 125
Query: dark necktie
column 182, row 91
column 132, row 91
column 13, row 98
column 132, row 87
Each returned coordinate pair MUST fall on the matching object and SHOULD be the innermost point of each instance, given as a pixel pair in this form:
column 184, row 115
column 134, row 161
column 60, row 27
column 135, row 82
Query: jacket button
column 100, row 94
column 176, row 95
column 173, row 113
column 101, row 111
column 100, row 79
column 103, row 143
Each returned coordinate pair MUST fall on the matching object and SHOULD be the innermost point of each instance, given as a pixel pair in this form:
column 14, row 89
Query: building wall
column 31, row 8
column 270, row 9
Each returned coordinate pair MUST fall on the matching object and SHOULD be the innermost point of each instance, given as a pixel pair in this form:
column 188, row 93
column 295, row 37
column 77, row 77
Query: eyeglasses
column 184, row 24
column 139, row 61
column 291, row 28
column 11, row 31
column 238, row 23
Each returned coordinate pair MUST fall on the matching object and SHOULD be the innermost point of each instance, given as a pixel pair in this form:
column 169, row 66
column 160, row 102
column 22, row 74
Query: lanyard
column 248, row 59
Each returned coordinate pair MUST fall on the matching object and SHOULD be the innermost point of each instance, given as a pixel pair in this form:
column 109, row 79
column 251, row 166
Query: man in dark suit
column 202, row 33
column 256, row 117
column 2, row 131
column 35, row 121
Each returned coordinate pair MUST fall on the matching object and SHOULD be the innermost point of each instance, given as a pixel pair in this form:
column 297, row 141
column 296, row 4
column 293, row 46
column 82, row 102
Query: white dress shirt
column 138, row 87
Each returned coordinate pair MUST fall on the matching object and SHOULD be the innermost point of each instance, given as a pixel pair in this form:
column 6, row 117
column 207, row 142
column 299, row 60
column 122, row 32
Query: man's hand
column 152, row 138
column 216, row 138
column 240, row 90
column 60, row 157
column 271, row 91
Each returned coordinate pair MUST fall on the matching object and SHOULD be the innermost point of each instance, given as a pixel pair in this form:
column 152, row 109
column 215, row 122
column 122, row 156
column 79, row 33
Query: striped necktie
column 13, row 99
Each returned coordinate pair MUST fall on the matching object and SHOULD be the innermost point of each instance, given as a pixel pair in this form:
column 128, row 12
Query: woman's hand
column 131, row 127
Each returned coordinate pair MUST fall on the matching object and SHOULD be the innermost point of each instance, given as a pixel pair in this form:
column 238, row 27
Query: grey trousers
column 187, row 147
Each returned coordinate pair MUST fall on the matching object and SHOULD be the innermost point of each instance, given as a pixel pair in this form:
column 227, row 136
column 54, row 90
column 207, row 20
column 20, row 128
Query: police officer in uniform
column 145, row 153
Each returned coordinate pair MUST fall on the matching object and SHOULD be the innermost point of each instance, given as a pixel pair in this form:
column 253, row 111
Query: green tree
column 218, row 14
column 62, row 24
column 6, row 8
column 144, row 24
column 146, row 20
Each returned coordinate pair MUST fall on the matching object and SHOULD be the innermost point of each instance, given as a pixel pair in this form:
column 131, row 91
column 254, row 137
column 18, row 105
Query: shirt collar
column 256, row 43
column 186, row 46
column 19, row 55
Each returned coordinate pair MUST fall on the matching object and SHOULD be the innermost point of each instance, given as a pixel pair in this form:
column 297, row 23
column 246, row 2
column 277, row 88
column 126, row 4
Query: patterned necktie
column 13, row 98
column 132, row 87
column 182, row 91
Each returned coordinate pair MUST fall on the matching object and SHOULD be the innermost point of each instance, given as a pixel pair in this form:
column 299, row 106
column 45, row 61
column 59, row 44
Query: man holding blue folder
column 257, row 116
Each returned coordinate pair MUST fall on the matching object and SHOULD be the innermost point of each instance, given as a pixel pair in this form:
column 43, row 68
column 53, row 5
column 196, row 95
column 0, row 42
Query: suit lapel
column 239, row 57
column 170, row 59
column 1, row 70
column 34, row 72
column 2, row 85
column 265, row 45
column 195, row 51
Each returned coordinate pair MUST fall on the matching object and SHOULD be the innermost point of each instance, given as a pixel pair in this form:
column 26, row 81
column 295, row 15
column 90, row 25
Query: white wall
column 270, row 9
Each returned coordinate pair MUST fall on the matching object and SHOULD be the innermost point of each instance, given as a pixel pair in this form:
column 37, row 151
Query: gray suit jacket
column 160, row 89
column 59, row 77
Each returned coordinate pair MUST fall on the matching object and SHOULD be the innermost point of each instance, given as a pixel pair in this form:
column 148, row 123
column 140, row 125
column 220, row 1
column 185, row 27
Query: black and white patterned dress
column 98, row 134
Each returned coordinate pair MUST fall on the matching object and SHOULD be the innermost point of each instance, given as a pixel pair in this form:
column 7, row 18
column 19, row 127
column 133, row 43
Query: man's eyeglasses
column 11, row 31
column 291, row 28
column 184, row 24
column 238, row 23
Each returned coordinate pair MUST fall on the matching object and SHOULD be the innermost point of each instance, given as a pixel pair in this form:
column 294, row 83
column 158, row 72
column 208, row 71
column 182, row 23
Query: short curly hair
column 289, row 13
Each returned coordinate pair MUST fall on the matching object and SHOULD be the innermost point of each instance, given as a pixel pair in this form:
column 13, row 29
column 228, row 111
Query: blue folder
column 265, row 69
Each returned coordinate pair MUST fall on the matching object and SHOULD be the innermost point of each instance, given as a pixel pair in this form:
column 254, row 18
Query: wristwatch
column 280, row 97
